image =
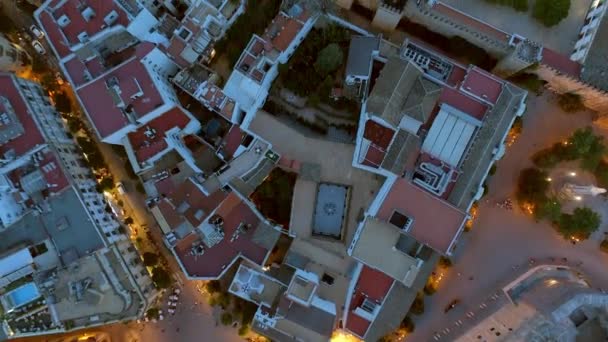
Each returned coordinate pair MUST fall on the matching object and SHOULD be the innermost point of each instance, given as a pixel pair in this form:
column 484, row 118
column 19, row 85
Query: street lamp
column 572, row 174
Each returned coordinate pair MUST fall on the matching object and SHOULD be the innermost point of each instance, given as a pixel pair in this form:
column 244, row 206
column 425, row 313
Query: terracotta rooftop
column 53, row 173
column 374, row 156
column 561, row 63
column 372, row 285
column 470, row 21
column 233, row 140
column 456, row 76
column 32, row 135
column 165, row 186
column 130, row 77
column 379, row 135
column 435, row 222
column 220, row 256
column 149, row 139
column 190, row 199
column 463, row 102
column 50, row 170
column 78, row 17
column 282, row 31
column 483, row 85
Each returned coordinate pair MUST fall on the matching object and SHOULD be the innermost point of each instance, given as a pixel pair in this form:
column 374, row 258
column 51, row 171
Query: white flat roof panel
column 444, row 134
column 452, row 141
column 431, row 137
column 462, row 144
column 15, row 261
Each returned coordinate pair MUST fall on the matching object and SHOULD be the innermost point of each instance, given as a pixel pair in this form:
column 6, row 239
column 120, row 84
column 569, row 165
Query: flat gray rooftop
column 66, row 224
column 330, row 210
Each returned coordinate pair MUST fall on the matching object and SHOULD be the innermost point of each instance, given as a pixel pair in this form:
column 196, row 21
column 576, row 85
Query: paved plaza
column 501, row 240
column 334, row 161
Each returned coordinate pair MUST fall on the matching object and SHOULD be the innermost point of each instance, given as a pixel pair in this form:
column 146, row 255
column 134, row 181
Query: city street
column 191, row 322
column 501, row 241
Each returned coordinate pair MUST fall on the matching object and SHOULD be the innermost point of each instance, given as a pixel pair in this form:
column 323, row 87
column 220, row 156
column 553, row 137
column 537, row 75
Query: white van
column 121, row 188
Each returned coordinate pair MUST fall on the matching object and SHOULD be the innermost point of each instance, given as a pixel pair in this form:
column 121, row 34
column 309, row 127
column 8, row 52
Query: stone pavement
column 501, row 239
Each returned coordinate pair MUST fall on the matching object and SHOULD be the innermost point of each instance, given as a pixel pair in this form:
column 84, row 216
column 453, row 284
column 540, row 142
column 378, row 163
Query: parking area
column 560, row 38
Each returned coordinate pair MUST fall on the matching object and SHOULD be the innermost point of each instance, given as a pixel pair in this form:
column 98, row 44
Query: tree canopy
column 161, row 278
column 532, row 186
column 150, row 259
column 329, row 59
column 550, row 12
column 570, row 102
column 580, row 224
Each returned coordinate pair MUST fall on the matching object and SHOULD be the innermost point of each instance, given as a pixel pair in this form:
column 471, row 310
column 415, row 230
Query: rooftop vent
column 88, row 14
column 110, row 18
column 63, row 21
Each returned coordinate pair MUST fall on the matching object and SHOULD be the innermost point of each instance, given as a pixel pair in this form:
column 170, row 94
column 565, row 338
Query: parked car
column 38, row 47
column 37, row 32
column 121, row 188
column 451, row 305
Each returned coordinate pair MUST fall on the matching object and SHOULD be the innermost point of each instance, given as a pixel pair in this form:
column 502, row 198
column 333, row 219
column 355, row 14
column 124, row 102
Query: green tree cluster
column 570, row 102
column 93, row 155
column 150, row 259
column 161, row 278
column 550, row 12
column 255, row 19
column 320, row 54
column 583, row 145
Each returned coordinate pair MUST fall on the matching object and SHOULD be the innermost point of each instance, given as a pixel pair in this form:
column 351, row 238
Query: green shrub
column 418, row 304
column 550, row 12
column 570, row 102
column 243, row 330
column 532, row 186
column 429, row 289
column 226, row 318
column 528, row 81
column 580, row 224
column 407, row 324
column 445, row 262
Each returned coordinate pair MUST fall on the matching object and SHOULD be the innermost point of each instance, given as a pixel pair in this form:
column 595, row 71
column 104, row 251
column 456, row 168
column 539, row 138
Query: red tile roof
column 463, row 103
column 53, row 173
column 561, row 63
column 483, row 85
column 165, row 186
column 456, row 76
column 357, row 324
column 373, row 157
column 100, row 106
column 78, row 23
column 176, row 46
column 217, row 258
column 233, row 140
column 472, row 22
column 372, row 285
column 145, row 147
column 436, row 222
column 197, row 200
column 169, row 212
column 76, row 70
column 282, row 31
column 379, row 135
column 32, row 135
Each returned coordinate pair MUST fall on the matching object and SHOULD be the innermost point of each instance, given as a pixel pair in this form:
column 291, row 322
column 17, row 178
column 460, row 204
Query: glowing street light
column 549, row 179
column 572, row 174
column 578, row 198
